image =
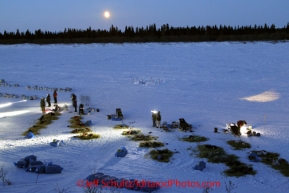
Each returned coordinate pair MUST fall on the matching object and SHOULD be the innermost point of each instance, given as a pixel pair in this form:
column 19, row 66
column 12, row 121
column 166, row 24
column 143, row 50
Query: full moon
column 106, row 14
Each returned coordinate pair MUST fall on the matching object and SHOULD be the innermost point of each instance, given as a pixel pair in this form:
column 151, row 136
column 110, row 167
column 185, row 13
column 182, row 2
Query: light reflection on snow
column 8, row 104
column 5, row 105
column 267, row 96
column 13, row 113
column 244, row 130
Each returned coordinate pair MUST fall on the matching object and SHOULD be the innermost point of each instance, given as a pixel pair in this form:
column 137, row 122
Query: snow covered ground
column 208, row 84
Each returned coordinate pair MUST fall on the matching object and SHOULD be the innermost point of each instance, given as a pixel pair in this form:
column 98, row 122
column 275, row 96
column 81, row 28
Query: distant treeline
column 150, row 33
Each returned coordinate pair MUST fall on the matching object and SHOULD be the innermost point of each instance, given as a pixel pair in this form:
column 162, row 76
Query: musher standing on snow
column 74, row 102
column 55, row 96
column 42, row 105
column 48, row 100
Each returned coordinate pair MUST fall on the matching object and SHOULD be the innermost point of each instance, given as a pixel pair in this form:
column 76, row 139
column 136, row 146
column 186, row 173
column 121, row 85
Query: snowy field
column 207, row 84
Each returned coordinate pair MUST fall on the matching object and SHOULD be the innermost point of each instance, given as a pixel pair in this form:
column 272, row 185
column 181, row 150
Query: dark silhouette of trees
column 150, row 33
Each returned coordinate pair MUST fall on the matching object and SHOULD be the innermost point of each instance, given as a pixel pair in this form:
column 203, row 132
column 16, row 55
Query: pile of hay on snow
column 142, row 137
column 131, row 132
column 238, row 145
column 121, row 126
column 194, row 138
column 217, row 154
column 75, row 122
column 161, row 155
column 42, row 122
column 87, row 136
column 81, row 130
column 152, row 144
column 272, row 159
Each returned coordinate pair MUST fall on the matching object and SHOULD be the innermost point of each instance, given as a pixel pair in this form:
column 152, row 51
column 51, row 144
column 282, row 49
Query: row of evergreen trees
column 150, row 33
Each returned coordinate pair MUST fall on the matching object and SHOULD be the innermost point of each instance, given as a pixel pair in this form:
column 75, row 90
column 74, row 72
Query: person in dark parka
column 81, row 109
column 55, row 96
column 48, row 100
column 158, row 119
column 42, row 105
column 74, row 102
column 154, row 115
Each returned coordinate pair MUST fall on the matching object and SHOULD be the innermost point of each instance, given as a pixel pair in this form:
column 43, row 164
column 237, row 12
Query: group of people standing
column 48, row 100
column 156, row 115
